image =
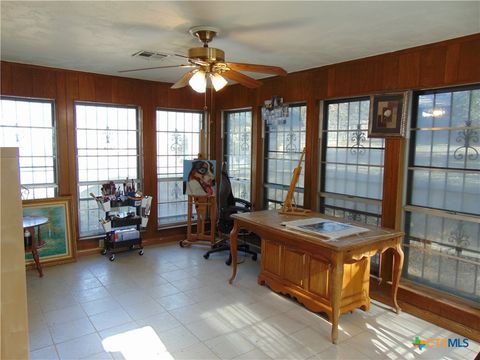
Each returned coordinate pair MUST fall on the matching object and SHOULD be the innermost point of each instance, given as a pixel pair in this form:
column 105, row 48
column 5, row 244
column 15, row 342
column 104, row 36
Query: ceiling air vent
column 150, row 55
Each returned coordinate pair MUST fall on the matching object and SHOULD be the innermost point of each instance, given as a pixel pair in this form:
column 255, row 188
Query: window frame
column 224, row 132
column 322, row 194
column 203, row 130
column 265, row 184
column 139, row 155
column 410, row 209
column 55, row 142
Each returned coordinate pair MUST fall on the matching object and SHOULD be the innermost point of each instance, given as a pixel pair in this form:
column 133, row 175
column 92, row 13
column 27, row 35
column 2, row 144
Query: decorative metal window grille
column 238, row 151
column 352, row 165
column 284, row 144
column 442, row 222
column 178, row 139
column 107, row 150
column 30, row 126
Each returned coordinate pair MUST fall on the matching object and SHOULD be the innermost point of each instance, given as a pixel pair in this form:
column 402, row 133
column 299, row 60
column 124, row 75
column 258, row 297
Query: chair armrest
column 235, row 209
column 246, row 203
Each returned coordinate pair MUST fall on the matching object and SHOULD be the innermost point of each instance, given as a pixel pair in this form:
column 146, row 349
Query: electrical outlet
column 101, row 243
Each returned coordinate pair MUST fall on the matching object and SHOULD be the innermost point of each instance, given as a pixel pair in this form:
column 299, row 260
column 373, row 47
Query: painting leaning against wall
column 52, row 229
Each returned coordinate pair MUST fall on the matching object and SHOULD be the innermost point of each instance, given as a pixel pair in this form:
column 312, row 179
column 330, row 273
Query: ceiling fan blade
column 183, row 81
column 159, row 67
column 241, row 79
column 196, row 61
column 275, row 70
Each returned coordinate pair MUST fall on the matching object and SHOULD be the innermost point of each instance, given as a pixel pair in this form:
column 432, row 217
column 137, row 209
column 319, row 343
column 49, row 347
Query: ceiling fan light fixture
column 198, row 81
column 218, row 81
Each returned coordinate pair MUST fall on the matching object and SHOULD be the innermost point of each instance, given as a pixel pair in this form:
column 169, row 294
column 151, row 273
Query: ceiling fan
column 209, row 66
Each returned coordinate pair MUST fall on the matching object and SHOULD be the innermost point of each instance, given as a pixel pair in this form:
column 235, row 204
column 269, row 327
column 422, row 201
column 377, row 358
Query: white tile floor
column 171, row 303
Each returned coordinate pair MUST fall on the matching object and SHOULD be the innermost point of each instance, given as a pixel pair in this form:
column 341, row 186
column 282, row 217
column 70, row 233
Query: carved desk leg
column 336, row 297
column 397, row 271
column 233, row 249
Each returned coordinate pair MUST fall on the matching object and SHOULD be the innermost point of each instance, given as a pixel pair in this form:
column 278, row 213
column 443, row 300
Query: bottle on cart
column 27, row 238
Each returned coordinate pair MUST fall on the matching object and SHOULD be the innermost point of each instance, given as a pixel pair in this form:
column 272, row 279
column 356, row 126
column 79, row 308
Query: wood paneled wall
column 444, row 64
column 447, row 63
column 65, row 87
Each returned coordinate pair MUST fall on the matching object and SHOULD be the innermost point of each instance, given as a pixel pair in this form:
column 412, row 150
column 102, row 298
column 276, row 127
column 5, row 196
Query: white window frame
column 88, row 224
column 178, row 138
column 30, row 163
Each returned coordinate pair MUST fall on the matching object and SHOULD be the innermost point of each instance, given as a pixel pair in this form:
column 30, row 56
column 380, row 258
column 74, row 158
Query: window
column 238, row 151
column 30, row 126
column 178, row 139
column 442, row 222
column 352, row 164
column 284, row 144
column 107, row 150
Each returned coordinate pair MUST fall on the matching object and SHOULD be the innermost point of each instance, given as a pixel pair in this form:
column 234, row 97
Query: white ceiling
column 100, row 37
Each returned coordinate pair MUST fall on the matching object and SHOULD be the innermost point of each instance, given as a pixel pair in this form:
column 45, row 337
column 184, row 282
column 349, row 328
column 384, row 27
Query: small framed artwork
column 199, row 177
column 388, row 115
column 50, row 224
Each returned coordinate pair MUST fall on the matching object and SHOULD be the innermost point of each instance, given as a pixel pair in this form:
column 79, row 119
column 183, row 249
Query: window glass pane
column 238, row 151
column 352, row 165
column 178, row 139
column 29, row 125
column 444, row 174
column 107, row 138
column 284, row 144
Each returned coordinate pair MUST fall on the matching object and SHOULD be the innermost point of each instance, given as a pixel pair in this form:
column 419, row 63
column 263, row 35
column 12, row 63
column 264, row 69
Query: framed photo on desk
column 49, row 223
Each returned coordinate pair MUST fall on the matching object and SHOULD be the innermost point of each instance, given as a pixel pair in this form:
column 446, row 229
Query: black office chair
column 228, row 205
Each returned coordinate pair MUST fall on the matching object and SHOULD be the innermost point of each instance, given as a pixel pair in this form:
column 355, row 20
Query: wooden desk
column 330, row 277
column 32, row 223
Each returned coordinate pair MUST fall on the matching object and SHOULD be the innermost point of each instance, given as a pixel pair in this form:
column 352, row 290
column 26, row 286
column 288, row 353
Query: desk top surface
column 271, row 220
column 31, row 221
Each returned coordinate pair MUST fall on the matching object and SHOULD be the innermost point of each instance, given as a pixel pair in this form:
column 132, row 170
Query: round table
column 32, row 224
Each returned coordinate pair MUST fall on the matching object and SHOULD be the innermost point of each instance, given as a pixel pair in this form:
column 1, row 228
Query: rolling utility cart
column 124, row 219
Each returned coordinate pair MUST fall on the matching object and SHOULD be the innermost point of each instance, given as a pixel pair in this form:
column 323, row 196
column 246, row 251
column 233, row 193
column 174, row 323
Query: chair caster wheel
column 112, row 257
column 140, row 252
column 228, row 262
column 181, row 244
column 254, row 257
column 104, row 252
column 206, row 256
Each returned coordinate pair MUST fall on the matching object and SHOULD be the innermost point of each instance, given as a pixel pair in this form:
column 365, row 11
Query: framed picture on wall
column 50, row 224
column 388, row 115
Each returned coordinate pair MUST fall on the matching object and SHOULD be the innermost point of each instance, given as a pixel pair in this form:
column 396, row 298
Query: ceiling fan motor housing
column 206, row 54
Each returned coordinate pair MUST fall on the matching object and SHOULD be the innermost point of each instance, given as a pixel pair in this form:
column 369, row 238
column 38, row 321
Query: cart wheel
column 206, row 256
column 112, row 257
column 254, row 257
column 140, row 252
column 104, row 252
